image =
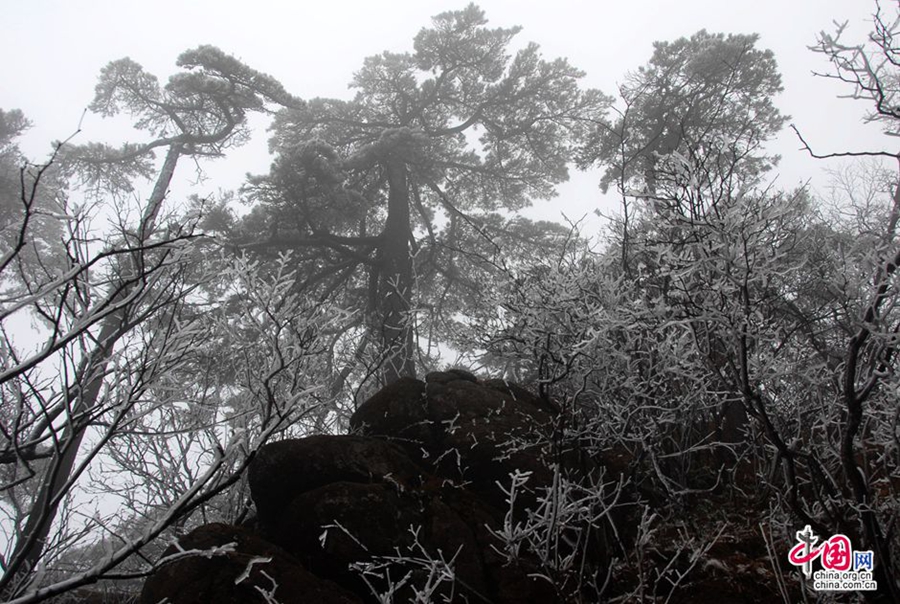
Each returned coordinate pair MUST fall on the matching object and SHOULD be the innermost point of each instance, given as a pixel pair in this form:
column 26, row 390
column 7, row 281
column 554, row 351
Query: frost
column 249, row 568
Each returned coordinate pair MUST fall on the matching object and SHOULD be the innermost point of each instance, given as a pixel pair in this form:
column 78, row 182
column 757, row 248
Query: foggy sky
column 52, row 50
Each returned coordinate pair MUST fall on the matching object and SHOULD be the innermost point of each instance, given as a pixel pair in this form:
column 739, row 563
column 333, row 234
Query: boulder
column 451, row 375
column 467, row 431
column 285, row 469
column 506, row 583
column 343, row 523
column 230, row 565
column 413, row 497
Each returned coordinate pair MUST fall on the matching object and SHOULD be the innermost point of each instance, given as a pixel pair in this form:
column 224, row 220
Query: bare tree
column 734, row 302
column 109, row 307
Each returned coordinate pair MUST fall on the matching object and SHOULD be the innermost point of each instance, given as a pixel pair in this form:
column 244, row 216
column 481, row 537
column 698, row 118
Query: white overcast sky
column 52, row 50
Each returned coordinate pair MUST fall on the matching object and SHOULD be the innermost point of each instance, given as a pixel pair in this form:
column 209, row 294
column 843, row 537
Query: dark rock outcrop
column 469, row 432
column 285, row 469
column 339, row 524
column 230, row 565
column 418, row 483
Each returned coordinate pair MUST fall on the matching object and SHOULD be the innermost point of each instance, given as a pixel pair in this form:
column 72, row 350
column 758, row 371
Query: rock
column 447, row 532
column 360, row 520
column 283, row 470
column 506, row 583
column 397, row 412
column 463, row 430
column 412, row 494
column 370, row 522
column 246, row 567
column 442, row 377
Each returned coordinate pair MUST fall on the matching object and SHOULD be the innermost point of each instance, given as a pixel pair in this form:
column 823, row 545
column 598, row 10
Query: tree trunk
column 396, row 277
column 55, row 483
